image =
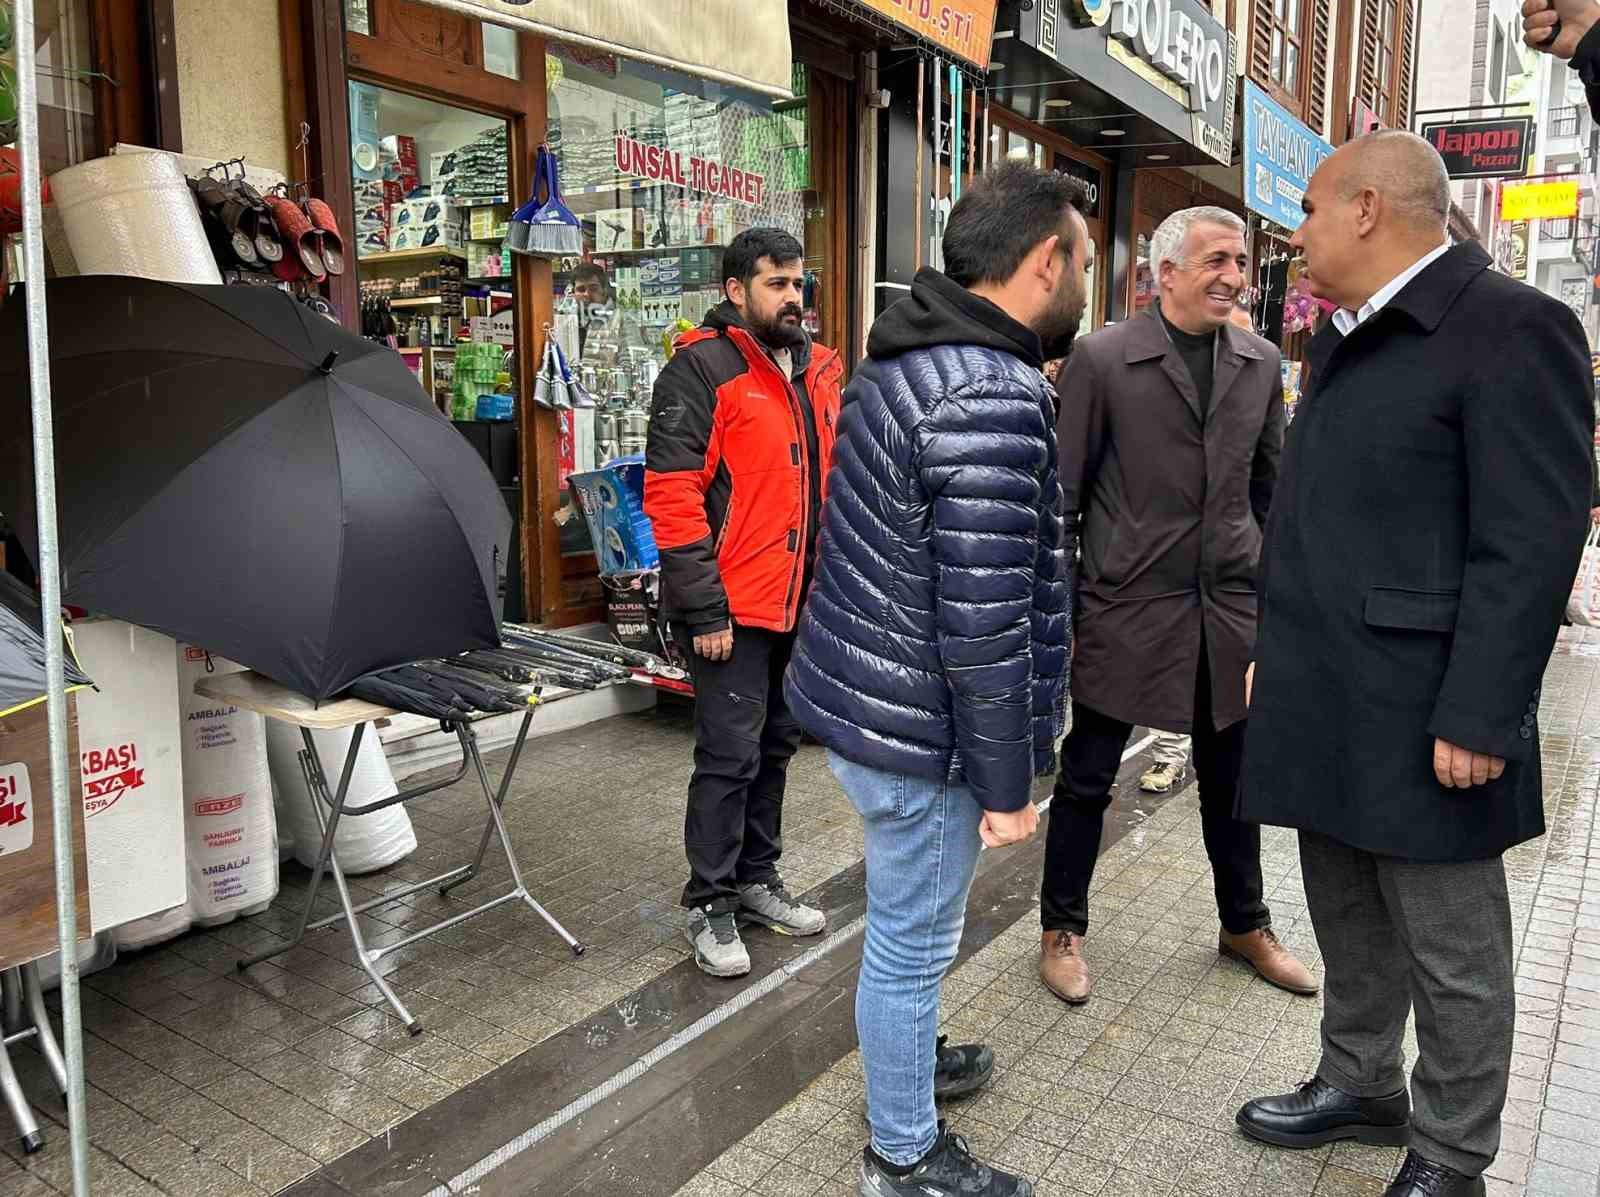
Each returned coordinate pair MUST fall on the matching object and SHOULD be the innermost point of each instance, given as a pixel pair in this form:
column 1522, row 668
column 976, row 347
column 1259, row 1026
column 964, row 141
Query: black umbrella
column 22, row 650
column 238, row 472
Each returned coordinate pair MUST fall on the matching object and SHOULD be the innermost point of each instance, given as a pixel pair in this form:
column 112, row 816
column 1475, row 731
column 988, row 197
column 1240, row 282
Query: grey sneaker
column 768, row 902
column 949, row 1170
column 718, row 950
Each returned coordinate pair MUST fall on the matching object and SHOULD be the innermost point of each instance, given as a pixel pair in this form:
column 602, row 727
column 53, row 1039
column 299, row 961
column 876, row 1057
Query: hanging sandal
column 227, row 213
column 322, row 219
column 296, row 230
column 255, row 221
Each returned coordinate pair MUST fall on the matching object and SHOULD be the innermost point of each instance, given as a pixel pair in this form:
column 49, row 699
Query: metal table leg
column 11, row 1000
column 317, row 783
column 499, row 801
column 497, row 822
column 11, row 1090
column 329, row 826
column 33, row 993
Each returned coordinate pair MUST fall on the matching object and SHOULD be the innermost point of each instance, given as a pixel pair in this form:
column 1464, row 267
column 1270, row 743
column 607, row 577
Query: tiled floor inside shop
column 206, row 1082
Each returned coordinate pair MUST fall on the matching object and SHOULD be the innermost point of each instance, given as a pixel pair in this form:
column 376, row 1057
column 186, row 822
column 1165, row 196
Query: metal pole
column 44, row 470
column 935, row 233
column 919, row 203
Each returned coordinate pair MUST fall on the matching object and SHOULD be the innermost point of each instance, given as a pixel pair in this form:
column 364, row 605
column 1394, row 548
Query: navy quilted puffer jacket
column 936, row 638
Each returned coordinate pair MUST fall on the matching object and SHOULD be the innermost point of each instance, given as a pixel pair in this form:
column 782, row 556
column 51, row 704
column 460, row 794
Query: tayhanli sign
column 1483, row 149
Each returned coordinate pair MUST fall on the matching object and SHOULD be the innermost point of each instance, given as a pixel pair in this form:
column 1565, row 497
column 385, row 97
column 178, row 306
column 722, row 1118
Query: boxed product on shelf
column 488, row 221
column 399, row 157
column 612, row 501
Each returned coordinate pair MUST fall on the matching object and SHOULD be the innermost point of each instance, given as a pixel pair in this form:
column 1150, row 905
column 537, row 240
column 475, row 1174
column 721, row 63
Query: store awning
column 744, row 43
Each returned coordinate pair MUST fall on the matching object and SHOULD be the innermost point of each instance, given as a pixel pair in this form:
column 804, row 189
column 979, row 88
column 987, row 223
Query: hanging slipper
column 226, row 213
column 321, row 217
column 255, row 220
column 297, row 233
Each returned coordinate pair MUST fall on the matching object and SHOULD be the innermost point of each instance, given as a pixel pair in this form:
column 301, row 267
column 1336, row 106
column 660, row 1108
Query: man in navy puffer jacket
column 932, row 658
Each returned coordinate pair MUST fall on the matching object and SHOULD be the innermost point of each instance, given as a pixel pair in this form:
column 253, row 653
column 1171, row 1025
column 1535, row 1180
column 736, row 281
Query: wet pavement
column 627, row 1072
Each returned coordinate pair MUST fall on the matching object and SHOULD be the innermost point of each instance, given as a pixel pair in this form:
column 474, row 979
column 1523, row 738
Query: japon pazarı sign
column 1482, row 149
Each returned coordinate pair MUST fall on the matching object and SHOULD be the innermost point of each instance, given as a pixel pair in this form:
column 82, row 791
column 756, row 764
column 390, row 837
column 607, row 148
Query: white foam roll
column 133, row 214
column 362, row 843
column 153, row 928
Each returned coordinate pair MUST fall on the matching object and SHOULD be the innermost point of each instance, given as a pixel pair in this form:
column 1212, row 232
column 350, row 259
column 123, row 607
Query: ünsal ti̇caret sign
column 706, row 175
column 1490, row 149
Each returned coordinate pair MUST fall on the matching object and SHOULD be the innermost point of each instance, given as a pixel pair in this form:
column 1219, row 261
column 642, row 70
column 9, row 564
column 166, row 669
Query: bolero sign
column 1184, row 57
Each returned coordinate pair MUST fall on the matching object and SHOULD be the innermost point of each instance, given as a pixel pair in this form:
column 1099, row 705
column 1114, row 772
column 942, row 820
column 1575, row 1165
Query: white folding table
column 252, row 692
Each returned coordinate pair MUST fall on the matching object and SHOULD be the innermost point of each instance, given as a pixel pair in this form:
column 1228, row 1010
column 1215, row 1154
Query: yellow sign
column 963, row 27
column 1539, row 201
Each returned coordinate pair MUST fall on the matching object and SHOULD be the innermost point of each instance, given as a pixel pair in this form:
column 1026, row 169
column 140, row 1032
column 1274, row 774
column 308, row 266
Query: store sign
column 1186, row 46
column 108, row 774
column 1176, row 46
column 1511, row 249
column 1280, row 156
column 963, row 27
column 1496, row 149
column 1539, row 201
column 16, row 809
column 1088, row 175
column 705, row 175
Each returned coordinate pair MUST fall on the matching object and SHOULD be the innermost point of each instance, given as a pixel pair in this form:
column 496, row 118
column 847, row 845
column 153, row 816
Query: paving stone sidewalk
column 1135, row 1093
column 207, row 1083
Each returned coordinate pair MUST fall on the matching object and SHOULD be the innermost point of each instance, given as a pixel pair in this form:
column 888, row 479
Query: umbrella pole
column 44, row 468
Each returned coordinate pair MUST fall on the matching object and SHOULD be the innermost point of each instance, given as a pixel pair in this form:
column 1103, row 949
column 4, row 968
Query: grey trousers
column 1402, row 934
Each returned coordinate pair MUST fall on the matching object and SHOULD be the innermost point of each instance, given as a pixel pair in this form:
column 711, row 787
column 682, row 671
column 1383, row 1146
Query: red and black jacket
column 735, row 468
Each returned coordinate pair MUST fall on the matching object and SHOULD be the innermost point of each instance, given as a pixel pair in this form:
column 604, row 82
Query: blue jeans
column 922, row 851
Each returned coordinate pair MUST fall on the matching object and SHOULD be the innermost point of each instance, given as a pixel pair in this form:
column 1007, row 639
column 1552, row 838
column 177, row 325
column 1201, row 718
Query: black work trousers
column 1089, row 763
column 744, row 739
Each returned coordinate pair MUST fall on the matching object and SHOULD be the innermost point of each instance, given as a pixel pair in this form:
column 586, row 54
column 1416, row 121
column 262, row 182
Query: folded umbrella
column 236, row 471
column 22, row 680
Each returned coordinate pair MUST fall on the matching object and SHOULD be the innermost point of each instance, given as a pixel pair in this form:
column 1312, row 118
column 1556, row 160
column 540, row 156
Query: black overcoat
column 1421, row 547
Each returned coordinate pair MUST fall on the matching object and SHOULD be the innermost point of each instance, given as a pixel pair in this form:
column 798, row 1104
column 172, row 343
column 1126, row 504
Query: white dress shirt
column 1347, row 321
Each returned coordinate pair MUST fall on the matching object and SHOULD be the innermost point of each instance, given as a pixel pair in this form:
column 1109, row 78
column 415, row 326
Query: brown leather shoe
column 1274, row 963
column 1062, row 967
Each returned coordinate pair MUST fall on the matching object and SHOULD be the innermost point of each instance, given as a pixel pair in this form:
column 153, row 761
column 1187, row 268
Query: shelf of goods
column 408, row 256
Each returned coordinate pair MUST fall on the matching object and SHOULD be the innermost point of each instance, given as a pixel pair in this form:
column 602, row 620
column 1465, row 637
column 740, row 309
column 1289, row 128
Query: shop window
column 431, row 187
column 1387, row 59
column 663, row 171
column 67, row 128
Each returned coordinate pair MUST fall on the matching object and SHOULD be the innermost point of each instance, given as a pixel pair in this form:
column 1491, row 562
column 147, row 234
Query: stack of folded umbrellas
column 508, row 678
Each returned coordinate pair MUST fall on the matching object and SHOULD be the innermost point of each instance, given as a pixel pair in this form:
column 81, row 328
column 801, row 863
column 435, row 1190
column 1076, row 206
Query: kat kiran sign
column 1556, row 200
column 1496, row 149
column 661, row 165
column 963, row 27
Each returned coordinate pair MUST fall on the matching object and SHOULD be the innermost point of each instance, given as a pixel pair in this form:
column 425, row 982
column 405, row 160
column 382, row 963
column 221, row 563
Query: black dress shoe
column 1317, row 1113
column 1423, row 1178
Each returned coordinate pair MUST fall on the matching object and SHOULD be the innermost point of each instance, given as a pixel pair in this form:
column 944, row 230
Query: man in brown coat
column 1170, row 429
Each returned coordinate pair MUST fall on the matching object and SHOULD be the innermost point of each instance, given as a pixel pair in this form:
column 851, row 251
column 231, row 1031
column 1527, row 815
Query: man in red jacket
column 741, row 433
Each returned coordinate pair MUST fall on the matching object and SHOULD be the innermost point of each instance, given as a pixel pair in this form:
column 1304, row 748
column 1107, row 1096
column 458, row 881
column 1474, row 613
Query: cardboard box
column 612, row 500
column 132, row 767
column 27, row 831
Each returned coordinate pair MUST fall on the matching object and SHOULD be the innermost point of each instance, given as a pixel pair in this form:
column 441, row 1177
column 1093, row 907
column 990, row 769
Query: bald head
column 1404, row 170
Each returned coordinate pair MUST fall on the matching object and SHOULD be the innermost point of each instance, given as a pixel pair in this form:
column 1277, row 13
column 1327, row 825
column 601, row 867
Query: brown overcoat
column 1170, row 509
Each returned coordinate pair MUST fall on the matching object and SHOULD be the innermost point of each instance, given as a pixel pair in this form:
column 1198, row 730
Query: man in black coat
column 1422, row 543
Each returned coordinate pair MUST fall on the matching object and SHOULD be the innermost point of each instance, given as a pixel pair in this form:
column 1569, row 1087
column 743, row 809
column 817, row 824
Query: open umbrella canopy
column 22, row 682
column 240, row 473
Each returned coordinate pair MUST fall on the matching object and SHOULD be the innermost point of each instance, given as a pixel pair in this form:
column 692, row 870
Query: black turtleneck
column 1199, row 353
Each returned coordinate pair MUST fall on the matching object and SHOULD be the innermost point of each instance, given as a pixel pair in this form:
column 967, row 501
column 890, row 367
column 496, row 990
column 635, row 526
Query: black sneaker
column 949, row 1170
column 962, row 1069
